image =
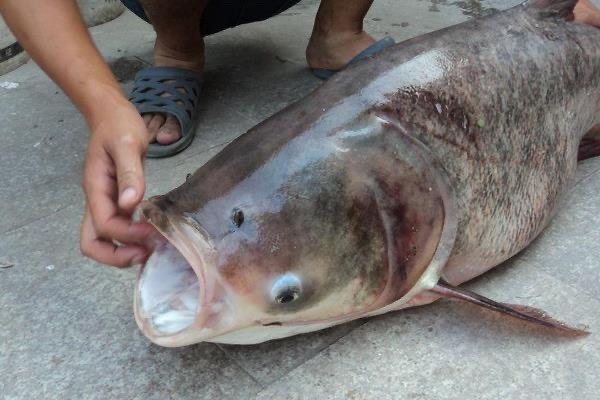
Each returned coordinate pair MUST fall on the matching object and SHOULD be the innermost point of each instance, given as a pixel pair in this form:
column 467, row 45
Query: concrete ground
column 66, row 323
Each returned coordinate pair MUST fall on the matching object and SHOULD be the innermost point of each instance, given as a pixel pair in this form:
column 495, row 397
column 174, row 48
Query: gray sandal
column 369, row 51
column 172, row 91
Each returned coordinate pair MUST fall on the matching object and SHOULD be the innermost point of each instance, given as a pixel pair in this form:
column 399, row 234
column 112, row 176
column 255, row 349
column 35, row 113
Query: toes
column 147, row 118
column 163, row 129
column 169, row 132
column 154, row 124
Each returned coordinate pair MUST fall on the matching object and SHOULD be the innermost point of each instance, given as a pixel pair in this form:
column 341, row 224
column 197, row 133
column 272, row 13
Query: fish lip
column 194, row 245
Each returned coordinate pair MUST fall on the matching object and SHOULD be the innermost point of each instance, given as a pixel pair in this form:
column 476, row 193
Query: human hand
column 114, row 185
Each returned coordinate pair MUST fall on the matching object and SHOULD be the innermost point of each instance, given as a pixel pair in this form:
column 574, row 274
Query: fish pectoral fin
column 525, row 313
column 590, row 144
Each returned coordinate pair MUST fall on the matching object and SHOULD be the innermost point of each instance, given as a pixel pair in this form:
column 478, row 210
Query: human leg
column 338, row 33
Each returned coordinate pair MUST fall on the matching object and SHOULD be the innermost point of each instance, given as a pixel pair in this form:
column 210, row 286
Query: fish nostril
column 238, row 217
column 154, row 214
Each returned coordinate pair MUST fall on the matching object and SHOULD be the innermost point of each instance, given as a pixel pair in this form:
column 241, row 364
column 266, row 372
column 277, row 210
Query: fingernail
column 128, row 195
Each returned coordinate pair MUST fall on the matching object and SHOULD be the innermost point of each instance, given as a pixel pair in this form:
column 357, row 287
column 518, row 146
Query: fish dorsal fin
column 529, row 314
column 554, row 8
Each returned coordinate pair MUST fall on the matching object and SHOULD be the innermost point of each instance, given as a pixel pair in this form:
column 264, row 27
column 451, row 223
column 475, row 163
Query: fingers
column 100, row 183
column 123, row 230
column 114, row 186
column 106, row 252
column 128, row 156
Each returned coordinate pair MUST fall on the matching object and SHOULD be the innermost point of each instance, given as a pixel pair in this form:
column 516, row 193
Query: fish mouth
column 174, row 290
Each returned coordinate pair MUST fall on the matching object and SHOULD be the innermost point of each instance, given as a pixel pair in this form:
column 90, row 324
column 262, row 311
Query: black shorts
column 224, row 14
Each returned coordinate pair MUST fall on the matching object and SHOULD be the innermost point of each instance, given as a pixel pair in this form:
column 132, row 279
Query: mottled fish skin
column 353, row 187
column 505, row 119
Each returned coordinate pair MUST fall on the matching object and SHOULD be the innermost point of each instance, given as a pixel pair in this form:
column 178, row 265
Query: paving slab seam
column 593, row 174
column 287, row 373
column 237, row 364
column 544, row 271
column 27, row 223
column 53, row 180
column 537, row 266
column 192, row 154
column 234, row 109
column 140, row 60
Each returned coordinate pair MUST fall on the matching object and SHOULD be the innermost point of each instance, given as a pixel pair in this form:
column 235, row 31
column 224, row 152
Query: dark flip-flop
column 369, row 51
column 172, row 91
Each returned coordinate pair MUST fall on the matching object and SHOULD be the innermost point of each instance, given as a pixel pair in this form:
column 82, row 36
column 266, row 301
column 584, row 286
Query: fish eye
column 237, row 217
column 286, row 289
column 287, row 296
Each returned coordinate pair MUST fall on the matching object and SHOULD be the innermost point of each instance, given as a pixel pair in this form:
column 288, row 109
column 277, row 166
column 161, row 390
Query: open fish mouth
column 169, row 291
column 173, row 297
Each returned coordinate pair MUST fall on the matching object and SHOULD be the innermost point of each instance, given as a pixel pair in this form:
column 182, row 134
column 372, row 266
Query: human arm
column 53, row 33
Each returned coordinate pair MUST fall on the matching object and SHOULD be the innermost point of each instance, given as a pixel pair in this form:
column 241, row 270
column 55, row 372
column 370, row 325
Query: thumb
column 130, row 174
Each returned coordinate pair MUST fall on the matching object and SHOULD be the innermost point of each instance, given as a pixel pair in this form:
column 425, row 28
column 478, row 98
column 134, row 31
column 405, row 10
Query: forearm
column 54, row 34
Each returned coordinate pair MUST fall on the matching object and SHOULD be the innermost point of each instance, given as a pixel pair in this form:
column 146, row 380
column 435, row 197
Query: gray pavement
column 66, row 323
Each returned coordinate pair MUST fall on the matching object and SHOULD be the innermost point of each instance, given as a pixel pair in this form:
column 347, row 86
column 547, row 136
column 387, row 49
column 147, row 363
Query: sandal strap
column 168, row 90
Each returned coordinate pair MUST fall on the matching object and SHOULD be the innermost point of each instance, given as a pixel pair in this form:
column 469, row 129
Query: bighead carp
column 409, row 173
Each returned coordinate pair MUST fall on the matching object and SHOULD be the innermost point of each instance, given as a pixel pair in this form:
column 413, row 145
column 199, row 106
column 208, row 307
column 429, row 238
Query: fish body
column 415, row 170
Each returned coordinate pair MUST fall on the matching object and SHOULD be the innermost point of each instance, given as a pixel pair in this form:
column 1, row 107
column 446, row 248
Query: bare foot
column 335, row 50
column 164, row 128
column 587, row 13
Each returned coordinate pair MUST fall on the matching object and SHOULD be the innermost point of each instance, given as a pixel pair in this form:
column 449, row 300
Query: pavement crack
column 240, row 366
column 205, row 150
column 549, row 272
column 33, row 220
column 591, row 175
column 359, row 323
column 142, row 60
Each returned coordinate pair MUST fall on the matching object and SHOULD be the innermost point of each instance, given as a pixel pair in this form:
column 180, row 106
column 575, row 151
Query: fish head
column 296, row 243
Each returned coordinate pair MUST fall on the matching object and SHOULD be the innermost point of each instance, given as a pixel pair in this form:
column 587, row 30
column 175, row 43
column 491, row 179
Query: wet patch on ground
column 125, row 68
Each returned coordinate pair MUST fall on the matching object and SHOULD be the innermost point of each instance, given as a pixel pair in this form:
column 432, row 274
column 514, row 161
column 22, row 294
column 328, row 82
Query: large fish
column 398, row 179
